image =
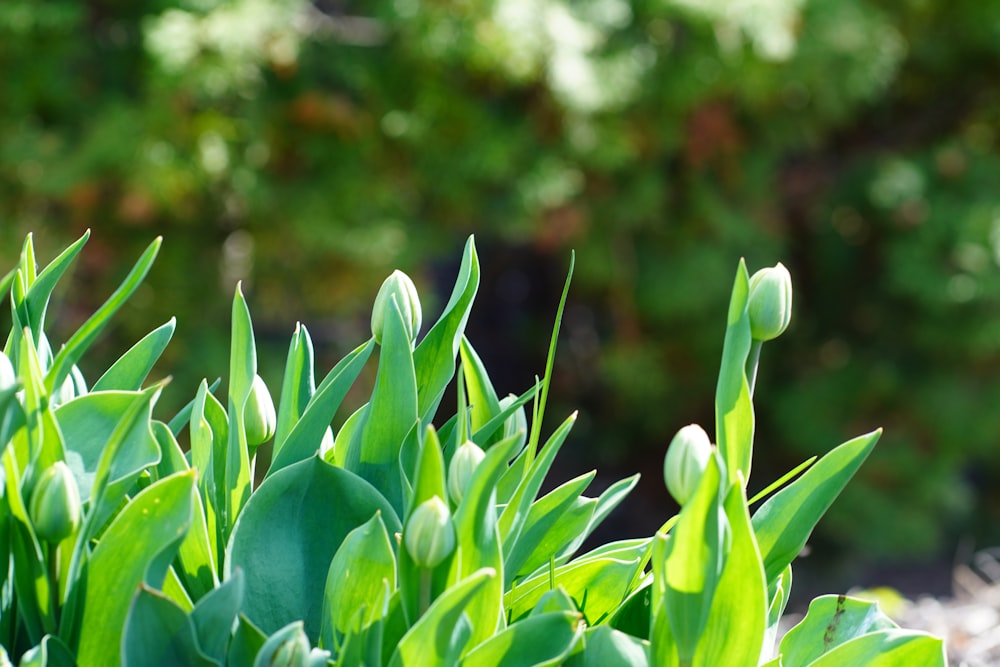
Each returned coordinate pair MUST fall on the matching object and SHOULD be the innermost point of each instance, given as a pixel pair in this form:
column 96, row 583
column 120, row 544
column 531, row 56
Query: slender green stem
column 753, row 358
column 52, row 566
column 424, row 601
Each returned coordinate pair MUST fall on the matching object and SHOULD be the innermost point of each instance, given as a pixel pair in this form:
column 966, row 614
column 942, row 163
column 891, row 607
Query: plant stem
column 753, row 358
column 424, row 601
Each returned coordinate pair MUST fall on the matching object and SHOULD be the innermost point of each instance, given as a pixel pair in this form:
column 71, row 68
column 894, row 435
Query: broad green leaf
column 785, row 521
column 298, row 384
column 434, row 358
column 45, row 443
column 693, row 563
column 287, row 535
column 439, row 637
column 11, row 415
column 633, row 615
column 737, row 619
column 304, row 439
column 40, row 288
column 137, row 547
column 537, row 641
column 734, row 418
column 830, row 621
column 108, row 432
column 391, row 413
column 86, row 334
column 604, row 646
column 158, row 633
column 361, row 577
column 31, row 584
column 247, row 642
column 132, row 368
column 886, row 648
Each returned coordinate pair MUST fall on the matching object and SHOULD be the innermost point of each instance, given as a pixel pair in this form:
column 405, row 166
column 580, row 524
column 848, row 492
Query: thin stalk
column 424, row 599
column 753, row 358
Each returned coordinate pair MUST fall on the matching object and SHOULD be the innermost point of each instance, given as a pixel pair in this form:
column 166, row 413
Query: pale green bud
column 288, row 647
column 400, row 286
column 463, row 464
column 686, row 460
column 769, row 303
column 55, row 504
column 259, row 416
column 429, row 535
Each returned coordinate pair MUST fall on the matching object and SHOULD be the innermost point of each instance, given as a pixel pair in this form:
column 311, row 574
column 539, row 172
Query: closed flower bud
column 429, row 535
column 288, row 647
column 686, row 460
column 55, row 504
column 463, row 464
column 769, row 303
column 400, row 286
column 259, row 417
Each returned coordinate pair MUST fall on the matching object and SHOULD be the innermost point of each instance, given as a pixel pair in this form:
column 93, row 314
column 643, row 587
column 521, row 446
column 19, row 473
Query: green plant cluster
column 658, row 137
column 387, row 540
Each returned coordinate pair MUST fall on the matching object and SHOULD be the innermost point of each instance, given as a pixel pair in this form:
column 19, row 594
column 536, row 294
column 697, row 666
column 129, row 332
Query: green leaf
column 51, row 652
column 439, row 637
column 537, row 641
column 158, row 633
column 430, row 477
column 391, row 413
column 86, row 334
column 734, row 418
column 830, row 621
column 597, row 585
column 785, row 521
column 214, row 615
column 361, row 577
column 247, row 642
column 305, row 436
column 609, row 499
column 297, row 386
column 604, row 646
column 478, row 540
column 482, row 397
column 516, row 513
column 286, row 537
column 242, row 369
column 434, row 358
column 887, row 648
column 546, row 531
column 40, row 288
column 734, row 633
column 778, row 592
column 131, row 369
column 692, row 564
column 138, row 546
column 108, row 436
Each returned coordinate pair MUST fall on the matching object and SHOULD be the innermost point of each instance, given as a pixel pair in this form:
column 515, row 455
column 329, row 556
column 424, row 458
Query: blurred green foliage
column 285, row 142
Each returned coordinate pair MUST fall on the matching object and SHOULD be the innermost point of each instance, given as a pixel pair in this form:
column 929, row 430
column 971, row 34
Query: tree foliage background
column 308, row 148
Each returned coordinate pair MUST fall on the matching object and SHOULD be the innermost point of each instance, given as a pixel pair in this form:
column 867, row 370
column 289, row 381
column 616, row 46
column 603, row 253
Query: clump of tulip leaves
column 404, row 535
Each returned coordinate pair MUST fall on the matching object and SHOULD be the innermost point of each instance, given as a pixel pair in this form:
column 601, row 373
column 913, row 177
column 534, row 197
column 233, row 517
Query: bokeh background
column 309, row 148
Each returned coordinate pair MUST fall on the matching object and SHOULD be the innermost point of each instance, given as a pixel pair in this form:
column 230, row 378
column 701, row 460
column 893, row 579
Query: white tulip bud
column 686, row 460
column 769, row 303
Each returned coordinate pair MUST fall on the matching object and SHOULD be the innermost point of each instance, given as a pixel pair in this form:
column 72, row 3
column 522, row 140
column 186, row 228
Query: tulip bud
column 686, row 460
column 55, row 504
column 429, row 534
column 399, row 285
column 465, row 461
column 288, row 647
column 769, row 303
column 259, row 417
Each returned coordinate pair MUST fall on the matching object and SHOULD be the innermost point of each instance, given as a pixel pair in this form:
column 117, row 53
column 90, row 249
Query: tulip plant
column 411, row 533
